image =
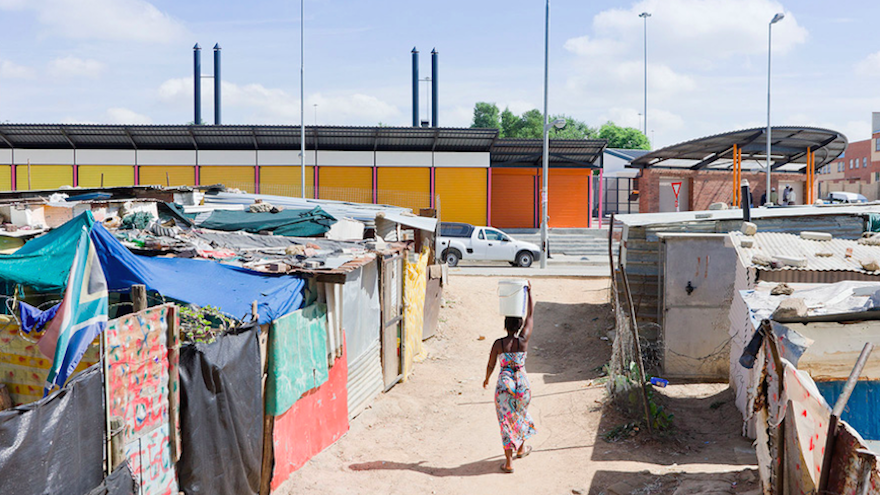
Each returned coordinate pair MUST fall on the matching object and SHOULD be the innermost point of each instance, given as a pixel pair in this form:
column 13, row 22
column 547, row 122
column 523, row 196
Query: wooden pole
column 634, row 326
column 108, row 467
column 139, row 297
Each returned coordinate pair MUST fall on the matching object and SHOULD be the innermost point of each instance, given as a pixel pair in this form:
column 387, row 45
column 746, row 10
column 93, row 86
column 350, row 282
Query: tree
column 486, row 116
column 623, row 137
column 574, row 129
column 510, row 123
column 529, row 125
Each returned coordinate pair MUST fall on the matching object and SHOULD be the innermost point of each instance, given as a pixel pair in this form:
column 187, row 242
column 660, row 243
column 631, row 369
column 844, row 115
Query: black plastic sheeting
column 120, row 482
column 221, row 415
column 55, row 445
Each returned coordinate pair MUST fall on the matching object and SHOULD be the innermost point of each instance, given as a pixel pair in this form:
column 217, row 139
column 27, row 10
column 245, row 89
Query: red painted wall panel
column 316, row 420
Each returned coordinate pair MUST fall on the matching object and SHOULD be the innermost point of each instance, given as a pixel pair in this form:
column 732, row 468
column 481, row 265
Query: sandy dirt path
column 437, row 433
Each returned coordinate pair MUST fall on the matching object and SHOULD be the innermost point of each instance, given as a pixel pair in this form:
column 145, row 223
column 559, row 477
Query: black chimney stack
column 415, row 87
column 434, row 91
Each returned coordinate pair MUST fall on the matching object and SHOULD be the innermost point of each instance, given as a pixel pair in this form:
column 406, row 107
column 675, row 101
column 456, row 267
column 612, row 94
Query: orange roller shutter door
column 346, row 183
column 230, row 176
column 408, row 187
column 462, row 194
column 44, row 176
column 286, row 181
column 513, row 198
column 172, row 176
column 569, row 205
column 114, row 175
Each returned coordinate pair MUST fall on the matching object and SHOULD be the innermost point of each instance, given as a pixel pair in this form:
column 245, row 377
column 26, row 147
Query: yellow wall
column 238, row 177
column 409, row 187
column 114, row 175
column 286, row 181
column 176, row 176
column 463, row 193
column 346, row 183
column 5, row 177
column 44, row 176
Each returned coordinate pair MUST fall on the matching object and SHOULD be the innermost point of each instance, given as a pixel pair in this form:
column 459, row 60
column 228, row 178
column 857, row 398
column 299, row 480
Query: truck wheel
column 524, row 259
column 451, row 256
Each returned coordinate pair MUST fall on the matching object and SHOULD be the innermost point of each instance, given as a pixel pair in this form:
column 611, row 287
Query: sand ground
column 437, row 433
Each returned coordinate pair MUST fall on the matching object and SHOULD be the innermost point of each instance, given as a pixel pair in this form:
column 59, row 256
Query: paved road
column 559, row 266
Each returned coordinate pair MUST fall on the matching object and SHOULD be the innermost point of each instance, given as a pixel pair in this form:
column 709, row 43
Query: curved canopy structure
column 788, row 150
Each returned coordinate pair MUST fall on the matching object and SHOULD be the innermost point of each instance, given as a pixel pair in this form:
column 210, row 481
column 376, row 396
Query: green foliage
column 623, row 137
column 626, row 386
column 486, row 116
column 621, row 432
column 529, row 125
column 203, row 325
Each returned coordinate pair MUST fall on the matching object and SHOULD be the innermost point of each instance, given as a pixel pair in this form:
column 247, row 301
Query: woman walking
column 513, row 392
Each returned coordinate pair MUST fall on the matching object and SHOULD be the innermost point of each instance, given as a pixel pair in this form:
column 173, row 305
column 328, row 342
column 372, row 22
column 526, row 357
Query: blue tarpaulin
column 200, row 282
column 44, row 264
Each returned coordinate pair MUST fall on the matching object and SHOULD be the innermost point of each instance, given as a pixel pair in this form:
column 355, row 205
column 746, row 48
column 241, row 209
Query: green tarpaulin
column 44, row 262
column 291, row 223
column 297, row 357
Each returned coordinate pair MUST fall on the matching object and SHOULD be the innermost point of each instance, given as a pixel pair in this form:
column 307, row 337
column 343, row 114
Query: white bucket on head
column 512, row 298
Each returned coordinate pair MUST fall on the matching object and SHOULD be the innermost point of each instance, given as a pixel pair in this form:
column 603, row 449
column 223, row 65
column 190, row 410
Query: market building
column 472, row 175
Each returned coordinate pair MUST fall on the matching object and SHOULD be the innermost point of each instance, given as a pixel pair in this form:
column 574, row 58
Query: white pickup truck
column 461, row 241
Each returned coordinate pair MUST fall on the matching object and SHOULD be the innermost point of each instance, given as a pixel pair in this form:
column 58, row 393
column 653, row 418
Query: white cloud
column 273, row 105
column 11, row 70
column 586, row 47
column 117, row 115
column 71, row 66
column 706, row 29
column 869, row 66
column 115, row 20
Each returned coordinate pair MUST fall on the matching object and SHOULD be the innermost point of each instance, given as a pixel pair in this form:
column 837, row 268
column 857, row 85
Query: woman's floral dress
column 512, row 396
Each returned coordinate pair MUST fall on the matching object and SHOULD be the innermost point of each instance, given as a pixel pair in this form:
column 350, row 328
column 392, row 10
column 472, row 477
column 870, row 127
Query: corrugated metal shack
column 640, row 241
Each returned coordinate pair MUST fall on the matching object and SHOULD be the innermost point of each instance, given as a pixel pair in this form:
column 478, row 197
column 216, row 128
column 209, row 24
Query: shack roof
column 647, row 219
column 842, row 255
column 788, row 150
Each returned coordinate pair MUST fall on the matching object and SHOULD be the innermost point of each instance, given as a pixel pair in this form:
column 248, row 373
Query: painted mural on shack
column 144, row 382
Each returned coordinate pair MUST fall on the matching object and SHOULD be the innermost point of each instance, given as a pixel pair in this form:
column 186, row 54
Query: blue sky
column 130, row 61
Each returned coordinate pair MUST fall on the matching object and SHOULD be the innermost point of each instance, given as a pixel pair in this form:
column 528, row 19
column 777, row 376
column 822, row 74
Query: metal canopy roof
column 570, row 153
column 250, row 137
column 788, row 148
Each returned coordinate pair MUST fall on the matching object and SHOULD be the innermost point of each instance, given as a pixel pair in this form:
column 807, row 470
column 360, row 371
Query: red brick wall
column 705, row 186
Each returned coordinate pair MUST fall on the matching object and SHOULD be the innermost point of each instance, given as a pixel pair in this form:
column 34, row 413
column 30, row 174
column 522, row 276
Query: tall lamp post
column 645, row 15
column 302, row 96
column 776, row 18
column 559, row 124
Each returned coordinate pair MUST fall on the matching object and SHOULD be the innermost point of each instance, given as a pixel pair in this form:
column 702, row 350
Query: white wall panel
column 464, row 159
column 283, row 157
column 331, row 158
column 164, row 157
column 403, row 158
column 44, row 157
column 227, row 157
column 105, row 157
column 5, row 156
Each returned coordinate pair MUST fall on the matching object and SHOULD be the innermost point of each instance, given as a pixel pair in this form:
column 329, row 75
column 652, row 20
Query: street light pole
column 545, row 168
column 776, row 18
column 302, row 93
column 645, row 15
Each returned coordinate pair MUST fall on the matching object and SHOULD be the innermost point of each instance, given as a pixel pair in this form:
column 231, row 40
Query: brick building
column 700, row 171
column 857, row 169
